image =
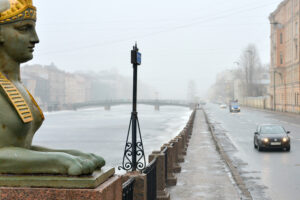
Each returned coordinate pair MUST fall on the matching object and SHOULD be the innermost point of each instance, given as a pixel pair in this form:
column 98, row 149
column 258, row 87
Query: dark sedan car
column 271, row 137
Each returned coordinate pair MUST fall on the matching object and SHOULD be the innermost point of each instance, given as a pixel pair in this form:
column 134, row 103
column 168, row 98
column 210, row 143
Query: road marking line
column 294, row 138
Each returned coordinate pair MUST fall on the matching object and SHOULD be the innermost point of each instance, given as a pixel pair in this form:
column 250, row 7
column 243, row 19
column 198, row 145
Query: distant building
column 224, row 87
column 78, row 88
column 238, row 90
column 53, row 88
column 36, row 79
column 57, row 88
column 284, row 68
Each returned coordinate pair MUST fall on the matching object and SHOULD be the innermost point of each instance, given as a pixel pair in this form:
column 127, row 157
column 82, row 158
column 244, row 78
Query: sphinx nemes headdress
column 16, row 10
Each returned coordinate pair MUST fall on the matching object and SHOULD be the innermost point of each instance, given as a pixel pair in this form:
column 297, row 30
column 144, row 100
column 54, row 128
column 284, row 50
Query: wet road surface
column 270, row 174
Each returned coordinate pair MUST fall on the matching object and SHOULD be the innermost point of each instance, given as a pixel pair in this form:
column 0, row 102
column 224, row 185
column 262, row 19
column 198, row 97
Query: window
column 296, row 51
column 281, row 58
column 265, row 76
column 281, row 39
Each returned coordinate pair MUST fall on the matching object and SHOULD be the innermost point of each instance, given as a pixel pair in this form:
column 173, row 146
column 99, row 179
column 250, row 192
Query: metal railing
column 150, row 172
column 165, row 152
column 127, row 193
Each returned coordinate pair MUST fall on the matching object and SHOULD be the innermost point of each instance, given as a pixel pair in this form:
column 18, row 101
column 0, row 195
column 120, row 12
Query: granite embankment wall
column 152, row 182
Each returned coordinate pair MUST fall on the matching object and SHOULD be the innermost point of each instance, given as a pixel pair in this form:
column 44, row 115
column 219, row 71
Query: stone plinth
column 174, row 150
column 111, row 189
column 140, row 184
column 180, row 149
column 57, row 181
column 162, row 193
column 171, row 179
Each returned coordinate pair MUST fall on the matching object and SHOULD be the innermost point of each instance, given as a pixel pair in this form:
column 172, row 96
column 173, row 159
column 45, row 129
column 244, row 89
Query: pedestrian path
column 204, row 174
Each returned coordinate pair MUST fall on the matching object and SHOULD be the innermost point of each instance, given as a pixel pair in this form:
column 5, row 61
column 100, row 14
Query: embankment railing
column 160, row 171
column 127, row 187
column 150, row 171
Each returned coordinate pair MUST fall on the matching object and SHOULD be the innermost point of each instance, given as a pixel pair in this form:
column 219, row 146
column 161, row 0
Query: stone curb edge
column 245, row 194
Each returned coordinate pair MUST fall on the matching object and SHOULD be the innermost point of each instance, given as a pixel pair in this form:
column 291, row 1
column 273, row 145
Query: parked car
column 271, row 137
column 223, row 105
column 234, row 107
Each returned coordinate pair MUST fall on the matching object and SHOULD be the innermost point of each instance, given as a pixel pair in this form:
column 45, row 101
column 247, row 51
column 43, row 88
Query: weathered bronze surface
column 17, row 155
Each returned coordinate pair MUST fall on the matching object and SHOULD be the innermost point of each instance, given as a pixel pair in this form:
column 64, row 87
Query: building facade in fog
column 78, row 89
column 284, row 68
column 55, row 89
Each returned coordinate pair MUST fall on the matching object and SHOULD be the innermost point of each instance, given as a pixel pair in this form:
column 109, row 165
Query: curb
column 245, row 194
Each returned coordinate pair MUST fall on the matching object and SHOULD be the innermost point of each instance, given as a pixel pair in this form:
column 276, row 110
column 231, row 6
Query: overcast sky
column 179, row 40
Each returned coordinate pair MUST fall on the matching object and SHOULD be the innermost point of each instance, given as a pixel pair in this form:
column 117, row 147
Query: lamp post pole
column 134, row 156
column 134, row 101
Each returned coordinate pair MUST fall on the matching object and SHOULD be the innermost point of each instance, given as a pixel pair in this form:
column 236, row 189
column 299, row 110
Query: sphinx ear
column 1, row 35
column 4, row 6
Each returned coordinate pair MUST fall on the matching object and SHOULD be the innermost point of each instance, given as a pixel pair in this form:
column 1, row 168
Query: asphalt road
column 268, row 175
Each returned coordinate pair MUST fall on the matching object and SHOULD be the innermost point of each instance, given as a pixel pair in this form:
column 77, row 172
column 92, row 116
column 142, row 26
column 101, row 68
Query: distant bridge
column 107, row 104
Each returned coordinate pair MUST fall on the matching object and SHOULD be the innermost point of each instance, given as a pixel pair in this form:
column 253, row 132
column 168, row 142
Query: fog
column 180, row 41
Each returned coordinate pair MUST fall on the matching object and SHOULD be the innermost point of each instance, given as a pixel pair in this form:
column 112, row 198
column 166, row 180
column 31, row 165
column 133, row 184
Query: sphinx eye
column 23, row 28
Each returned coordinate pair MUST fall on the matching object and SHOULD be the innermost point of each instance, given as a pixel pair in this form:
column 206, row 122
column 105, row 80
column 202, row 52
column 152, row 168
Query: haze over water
column 104, row 132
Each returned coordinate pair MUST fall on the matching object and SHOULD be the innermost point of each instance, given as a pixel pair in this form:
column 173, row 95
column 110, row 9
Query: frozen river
column 104, row 132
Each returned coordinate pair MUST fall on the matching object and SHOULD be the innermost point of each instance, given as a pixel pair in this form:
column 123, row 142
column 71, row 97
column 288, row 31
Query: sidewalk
column 204, row 174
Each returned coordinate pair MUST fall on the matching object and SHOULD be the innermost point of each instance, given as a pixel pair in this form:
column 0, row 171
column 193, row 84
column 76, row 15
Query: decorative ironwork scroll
column 128, row 163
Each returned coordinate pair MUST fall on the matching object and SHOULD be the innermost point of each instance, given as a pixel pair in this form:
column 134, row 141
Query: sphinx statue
column 20, row 115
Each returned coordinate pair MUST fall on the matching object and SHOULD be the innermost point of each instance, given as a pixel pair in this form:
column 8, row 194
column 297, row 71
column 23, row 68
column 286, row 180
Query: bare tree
column 250, row 66
column 250, row 78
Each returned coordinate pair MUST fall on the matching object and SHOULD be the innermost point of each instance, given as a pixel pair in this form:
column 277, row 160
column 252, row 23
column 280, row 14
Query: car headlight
column 266, row 140
column 285, row 139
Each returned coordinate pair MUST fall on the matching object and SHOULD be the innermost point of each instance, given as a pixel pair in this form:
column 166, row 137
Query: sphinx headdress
column 16, row 10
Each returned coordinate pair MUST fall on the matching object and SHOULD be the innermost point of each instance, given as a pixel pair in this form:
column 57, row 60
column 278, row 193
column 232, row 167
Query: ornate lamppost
column 134, row 156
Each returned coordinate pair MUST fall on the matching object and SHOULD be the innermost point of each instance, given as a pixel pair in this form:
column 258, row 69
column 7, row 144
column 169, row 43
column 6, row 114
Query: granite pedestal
column 102, row 185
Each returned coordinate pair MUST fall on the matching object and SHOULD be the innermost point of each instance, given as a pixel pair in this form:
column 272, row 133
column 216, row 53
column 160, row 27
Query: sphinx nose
column 34, row 37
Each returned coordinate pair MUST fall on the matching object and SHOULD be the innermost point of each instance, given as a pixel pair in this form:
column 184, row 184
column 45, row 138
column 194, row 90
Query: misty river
column 104, row 132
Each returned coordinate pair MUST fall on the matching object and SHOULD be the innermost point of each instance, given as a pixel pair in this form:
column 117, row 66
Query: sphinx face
column 18, row 40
